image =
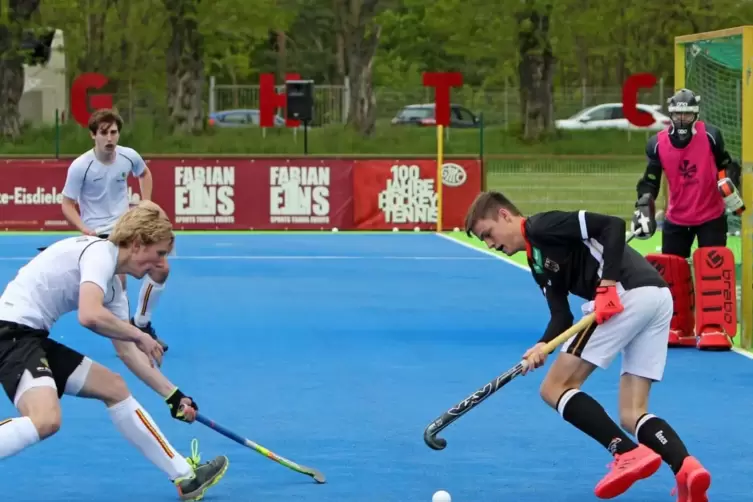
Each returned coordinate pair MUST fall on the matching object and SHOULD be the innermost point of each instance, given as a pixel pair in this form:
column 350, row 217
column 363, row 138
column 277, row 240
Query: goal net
column 711, row 65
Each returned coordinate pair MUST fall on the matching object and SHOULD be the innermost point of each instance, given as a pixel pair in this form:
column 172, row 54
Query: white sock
column 148, row 298
column 138, row 427
column 17, row 434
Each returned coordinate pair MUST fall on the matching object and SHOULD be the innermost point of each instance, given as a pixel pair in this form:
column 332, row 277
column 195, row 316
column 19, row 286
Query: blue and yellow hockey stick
column 318, row 476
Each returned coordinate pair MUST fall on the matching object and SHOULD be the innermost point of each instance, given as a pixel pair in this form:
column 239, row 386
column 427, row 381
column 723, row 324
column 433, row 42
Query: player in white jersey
column 98, row 182
column 81, row 274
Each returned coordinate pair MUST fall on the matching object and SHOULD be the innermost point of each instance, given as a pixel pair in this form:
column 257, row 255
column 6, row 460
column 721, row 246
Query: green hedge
column 151, row 138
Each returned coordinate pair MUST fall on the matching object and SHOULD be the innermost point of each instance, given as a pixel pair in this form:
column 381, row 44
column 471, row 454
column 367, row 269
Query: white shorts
column 640, row 333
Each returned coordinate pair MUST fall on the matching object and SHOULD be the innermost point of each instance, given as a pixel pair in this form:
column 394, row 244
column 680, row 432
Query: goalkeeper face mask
column 683, row 125
column 683, row 112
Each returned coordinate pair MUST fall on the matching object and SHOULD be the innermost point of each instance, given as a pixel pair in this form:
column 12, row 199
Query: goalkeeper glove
column 732, row 200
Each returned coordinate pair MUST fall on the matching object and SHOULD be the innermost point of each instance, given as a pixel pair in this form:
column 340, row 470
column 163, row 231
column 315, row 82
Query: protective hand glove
column 607, row 303
column 182, row 407
column 643, row 224
column 732, row 200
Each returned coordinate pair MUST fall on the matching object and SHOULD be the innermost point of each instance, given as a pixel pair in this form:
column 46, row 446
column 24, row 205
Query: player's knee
column 47, row 421
column 550, row 391
column 117, row 390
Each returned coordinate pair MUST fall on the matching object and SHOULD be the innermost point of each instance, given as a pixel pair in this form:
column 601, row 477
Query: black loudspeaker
column 300, row 98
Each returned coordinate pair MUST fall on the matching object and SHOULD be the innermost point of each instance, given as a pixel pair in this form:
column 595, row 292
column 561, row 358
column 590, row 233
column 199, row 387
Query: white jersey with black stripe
column 101, row 190
column 48, row 286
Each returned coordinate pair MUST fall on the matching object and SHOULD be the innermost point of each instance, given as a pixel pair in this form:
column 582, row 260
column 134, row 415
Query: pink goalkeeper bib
column 691, row 178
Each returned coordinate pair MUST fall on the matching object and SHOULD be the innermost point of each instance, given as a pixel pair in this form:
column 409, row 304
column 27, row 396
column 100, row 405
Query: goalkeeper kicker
column 702, row 181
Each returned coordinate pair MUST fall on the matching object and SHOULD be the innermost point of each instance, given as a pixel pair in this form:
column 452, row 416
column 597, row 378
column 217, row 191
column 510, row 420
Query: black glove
column 173, row 402
column 643, row 225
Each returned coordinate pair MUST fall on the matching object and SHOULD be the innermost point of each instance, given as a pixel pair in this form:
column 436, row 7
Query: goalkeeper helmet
column 683, row 112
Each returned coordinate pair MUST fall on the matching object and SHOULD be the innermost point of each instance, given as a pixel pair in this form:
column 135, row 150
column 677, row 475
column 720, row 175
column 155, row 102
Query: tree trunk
column 12, row 64
column 282, row 55
column 185, row 67
column 536, row 71
column 360, row 36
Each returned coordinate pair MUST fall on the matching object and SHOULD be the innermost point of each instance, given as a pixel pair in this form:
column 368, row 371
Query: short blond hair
column 486, row 205
column 146, row 223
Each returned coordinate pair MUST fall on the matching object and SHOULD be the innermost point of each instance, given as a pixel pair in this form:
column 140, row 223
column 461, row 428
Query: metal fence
column 500, row 106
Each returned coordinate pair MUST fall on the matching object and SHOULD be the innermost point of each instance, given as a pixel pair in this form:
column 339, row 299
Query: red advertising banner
column 30, row 195
column 261, row 194
column 403, row 193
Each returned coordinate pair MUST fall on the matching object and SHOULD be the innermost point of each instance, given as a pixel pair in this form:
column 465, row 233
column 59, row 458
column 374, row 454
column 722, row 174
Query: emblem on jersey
column 687, row 170
column 551, row 265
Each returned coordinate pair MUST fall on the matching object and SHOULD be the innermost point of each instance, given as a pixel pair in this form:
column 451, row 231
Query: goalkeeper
column 702, row 180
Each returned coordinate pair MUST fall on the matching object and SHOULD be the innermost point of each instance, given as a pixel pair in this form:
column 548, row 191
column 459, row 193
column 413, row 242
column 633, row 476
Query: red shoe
column 714, row 340
column 693, row 482
column 677, row 338
column 626, row 469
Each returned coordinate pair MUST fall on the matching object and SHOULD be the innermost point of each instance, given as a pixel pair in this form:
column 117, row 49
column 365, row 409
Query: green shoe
column 204, row 475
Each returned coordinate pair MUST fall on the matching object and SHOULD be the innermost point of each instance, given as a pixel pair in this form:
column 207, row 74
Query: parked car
column 610, row 116
column 423, row 115
column 240, row 118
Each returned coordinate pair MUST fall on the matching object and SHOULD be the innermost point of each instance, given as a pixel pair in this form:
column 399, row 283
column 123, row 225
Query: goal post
column 718, row 66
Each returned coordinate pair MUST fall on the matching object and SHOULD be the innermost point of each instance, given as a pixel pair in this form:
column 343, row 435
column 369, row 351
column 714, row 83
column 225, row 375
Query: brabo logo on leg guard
column 714, row 259
column 716, row 295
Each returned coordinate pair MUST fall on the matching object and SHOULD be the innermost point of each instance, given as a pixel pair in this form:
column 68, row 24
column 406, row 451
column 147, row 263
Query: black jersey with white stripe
column 572, row 252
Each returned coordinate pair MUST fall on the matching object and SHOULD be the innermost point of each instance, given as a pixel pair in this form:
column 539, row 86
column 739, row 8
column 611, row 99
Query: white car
column 610, row 116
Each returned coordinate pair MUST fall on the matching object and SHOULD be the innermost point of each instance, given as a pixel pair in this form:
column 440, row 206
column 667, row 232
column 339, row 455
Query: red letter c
column 630, row 99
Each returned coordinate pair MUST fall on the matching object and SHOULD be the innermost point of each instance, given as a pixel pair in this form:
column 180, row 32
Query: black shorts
column 678, row 240
column 24, row 348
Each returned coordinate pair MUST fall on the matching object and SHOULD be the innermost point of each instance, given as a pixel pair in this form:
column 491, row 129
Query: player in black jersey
column 584, row 253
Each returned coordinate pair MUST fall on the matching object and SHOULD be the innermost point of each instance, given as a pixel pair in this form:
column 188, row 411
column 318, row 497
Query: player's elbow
column 87, row 320
column 89, row 316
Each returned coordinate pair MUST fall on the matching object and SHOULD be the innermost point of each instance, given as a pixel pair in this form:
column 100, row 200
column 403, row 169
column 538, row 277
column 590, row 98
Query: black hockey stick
column 467, row 404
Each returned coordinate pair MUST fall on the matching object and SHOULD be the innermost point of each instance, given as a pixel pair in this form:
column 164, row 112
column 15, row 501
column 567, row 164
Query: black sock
column 585, row 413
column 660, row 437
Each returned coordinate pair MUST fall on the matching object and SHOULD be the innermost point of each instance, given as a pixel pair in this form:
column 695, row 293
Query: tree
column 185, row 66
column 535, row 69
column 15, row 46
column 356, row 24
column 203, row 33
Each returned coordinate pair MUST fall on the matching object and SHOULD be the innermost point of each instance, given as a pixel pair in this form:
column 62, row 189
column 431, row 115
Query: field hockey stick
column 318, row 476
column 467, row 404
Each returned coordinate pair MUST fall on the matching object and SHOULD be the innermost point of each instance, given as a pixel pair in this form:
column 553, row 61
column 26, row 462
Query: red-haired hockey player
column 702, row 180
